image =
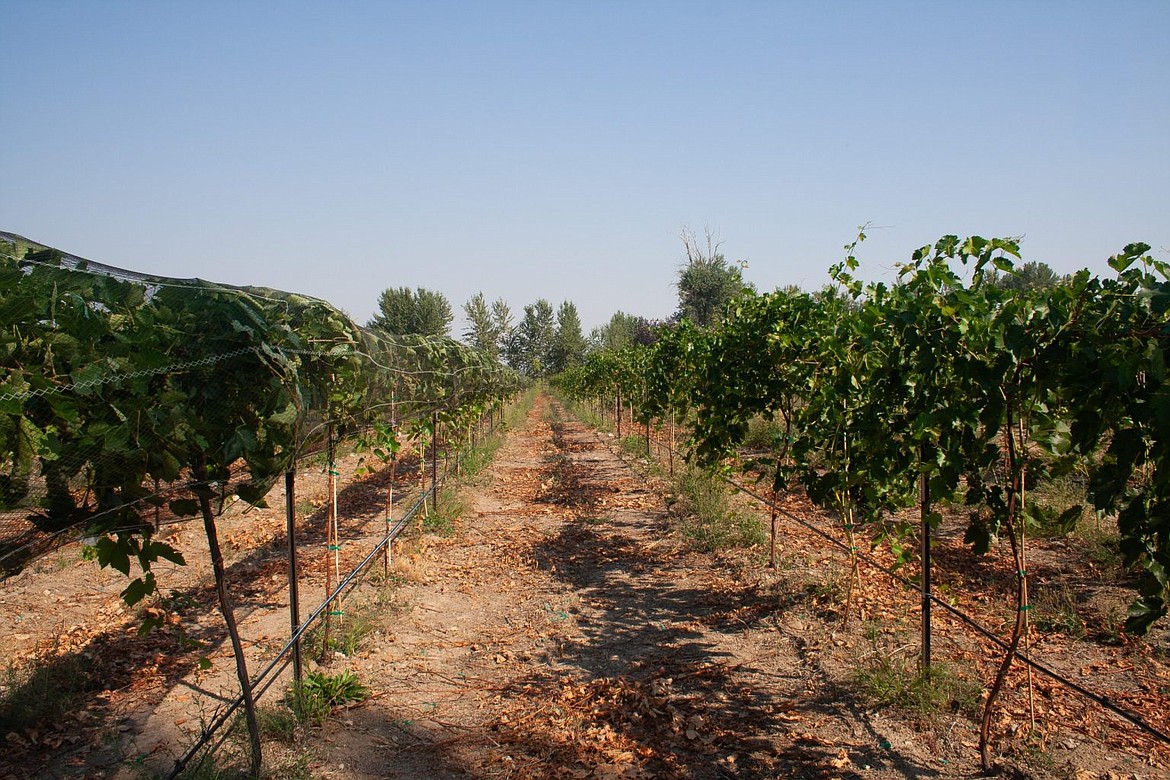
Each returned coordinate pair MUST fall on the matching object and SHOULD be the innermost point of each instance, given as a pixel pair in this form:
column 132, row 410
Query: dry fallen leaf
column 841, row 761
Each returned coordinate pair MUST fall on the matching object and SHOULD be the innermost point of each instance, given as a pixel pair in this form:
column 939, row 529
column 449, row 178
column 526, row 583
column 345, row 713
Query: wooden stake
column 924, row 505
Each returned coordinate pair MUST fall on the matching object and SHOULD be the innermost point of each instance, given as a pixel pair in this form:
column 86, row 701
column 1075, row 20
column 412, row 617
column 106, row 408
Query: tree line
column 546, row 342
column 543, row 342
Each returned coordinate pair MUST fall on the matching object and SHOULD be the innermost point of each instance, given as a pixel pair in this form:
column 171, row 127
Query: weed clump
column 891, row 681
column 315, row 697
column 709, row 521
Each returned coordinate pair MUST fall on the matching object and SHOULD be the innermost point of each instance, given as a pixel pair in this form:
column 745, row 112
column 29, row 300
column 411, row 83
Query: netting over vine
column 124, row 396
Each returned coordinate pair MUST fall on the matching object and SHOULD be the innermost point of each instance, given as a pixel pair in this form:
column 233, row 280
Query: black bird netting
column 124, row 397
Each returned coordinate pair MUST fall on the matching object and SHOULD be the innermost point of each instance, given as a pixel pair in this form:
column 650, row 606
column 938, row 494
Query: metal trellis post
column 294, row 608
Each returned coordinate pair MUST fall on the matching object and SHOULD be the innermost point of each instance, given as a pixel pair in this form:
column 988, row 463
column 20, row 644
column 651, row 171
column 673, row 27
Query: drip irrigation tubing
column 265, row 678
column 50, row 540
column 963, row 617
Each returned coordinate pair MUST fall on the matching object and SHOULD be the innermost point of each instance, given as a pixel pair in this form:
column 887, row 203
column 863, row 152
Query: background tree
column 569, row 344
column 646, row 331
column 482, row 329
column 621, row 331
column 1032, row 275
column 531, row 345
column 420, row 311
column 707, row 283
column 502, row 319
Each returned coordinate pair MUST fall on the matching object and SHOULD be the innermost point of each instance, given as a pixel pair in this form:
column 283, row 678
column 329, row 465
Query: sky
column 557, row 149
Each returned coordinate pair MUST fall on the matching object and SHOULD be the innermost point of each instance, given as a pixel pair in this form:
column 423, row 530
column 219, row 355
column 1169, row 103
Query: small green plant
column 830, row 591
column 764, row 434
column 1059, row 506
column 337, row 689
column 451, row 507
column 386, row 581
column 634, row 445
column 478, row 457
column 1055, row 610
column 315, row 697
column 306, row 705
column 1031, row 747
column 709, row 521
column 177, row 601
column 1101, row 544
column 1112, row 626
column 223, row 765
column 586, row 413
column 888, row 680
column 277, row 721
column 872, row 631
column 230, row 762
column 345, row 636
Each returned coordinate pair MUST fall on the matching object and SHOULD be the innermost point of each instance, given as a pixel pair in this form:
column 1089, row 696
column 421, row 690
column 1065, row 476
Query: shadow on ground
column 654, row 695
column 59, row 743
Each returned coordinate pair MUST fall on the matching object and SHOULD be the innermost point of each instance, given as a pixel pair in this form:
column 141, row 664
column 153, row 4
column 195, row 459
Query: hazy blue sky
column 556, row 149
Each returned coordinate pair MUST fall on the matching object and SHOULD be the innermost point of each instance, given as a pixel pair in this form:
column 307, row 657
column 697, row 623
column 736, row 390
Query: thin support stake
column 1027, row 605
column 336, row 546
column 330, row 539
column 388, row 560
column 294, row 607
column 670, row 448
column 924, row 496
column 772, row 544
column 393, row 480
column 435, row 461
column 618, row 414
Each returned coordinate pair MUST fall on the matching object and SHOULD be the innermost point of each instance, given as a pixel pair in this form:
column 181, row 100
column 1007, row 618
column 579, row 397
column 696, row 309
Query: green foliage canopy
column 422, row 312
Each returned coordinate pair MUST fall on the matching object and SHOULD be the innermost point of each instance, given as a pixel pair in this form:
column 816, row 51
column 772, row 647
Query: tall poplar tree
column 420, row 311
column 569, row 343
column 532, row 341
column 482, row 332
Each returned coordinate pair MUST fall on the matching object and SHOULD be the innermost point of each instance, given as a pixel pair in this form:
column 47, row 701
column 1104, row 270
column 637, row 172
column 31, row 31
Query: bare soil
column 565, row 629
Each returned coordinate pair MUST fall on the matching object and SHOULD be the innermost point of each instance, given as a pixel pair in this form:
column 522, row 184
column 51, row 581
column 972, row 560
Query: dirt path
column 563, row 632
column 566, row 629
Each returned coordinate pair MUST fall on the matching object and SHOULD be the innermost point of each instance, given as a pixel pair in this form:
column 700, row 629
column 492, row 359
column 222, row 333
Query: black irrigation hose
column 266, row 677
column 263, row 680
column 1136, row 720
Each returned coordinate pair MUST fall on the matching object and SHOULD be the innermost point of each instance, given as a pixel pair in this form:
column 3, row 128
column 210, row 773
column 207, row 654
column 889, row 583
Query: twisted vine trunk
column 845, row 501
column 389, row 513
column 1013, row 508
column 229, row 618
column 772, row 542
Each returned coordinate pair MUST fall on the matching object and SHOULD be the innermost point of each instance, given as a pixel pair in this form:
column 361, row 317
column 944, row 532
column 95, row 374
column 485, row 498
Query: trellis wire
column 263, row 681
column 964, row 618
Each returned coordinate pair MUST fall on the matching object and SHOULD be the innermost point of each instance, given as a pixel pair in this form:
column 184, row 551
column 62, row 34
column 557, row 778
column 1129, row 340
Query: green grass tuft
column 890, row 681
column 1055, row 610
column 709, row 520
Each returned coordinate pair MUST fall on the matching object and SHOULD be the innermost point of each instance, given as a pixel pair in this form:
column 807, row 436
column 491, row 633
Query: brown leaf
column 841, row 761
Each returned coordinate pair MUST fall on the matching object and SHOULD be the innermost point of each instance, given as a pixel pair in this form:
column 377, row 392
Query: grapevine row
column 944, row 386
column 122, row 394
